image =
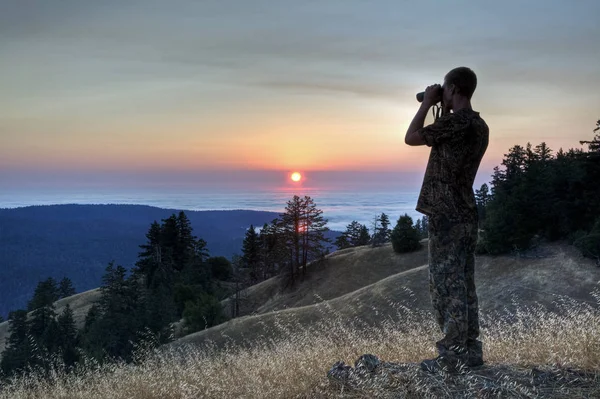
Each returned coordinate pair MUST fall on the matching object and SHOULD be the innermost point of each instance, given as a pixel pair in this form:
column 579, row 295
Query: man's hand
column 433, row 95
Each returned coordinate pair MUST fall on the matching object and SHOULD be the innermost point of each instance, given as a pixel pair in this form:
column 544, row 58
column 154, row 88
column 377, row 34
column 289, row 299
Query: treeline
column 174, row 278
column 286, row 245
column 538, row 194
column 175, row 285
column 404, row 236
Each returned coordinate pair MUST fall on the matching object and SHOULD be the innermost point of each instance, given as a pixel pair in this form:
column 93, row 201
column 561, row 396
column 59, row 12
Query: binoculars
column 421, row 95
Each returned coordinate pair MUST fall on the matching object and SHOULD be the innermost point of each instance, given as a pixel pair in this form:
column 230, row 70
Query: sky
column 131, row 91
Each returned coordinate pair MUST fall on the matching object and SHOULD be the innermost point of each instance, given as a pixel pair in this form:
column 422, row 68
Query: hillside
column 348, row 284
column 80, row 303
column 366, row 300
column 78, row 241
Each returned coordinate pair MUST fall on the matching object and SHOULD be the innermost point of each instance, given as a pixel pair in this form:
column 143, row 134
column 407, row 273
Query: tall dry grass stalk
column 296, row 362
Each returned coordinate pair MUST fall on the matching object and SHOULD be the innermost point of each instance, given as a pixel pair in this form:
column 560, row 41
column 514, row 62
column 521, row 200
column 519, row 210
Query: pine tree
column 382, row 230
column 355, row 235
column 424, row 226
column 19, row 349
column 303, row 227
column 42, row 325
column 405, row 237
column 113, row 331
column 251, row 254
column 45, row 294
column 67, row 342
column 482, row 198
column 66, row 288
column 363, row 237
column 342, row 241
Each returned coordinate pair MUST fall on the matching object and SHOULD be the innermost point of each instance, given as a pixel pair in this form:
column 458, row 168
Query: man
column 458, row 140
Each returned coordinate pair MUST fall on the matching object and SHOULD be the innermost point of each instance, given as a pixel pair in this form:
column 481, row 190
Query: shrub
column 206, row 311
column 405, row 237
column 220, row 267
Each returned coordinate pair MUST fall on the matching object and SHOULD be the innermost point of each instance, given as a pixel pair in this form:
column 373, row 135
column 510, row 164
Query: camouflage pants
column 452, row 282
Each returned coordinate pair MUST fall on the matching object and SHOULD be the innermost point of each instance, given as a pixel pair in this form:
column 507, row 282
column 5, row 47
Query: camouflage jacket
column 458, row 141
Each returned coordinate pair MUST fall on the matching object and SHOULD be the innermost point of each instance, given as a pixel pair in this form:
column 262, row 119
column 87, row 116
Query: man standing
column 458, row 140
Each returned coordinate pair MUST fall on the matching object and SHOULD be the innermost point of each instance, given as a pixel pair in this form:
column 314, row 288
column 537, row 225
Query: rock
column 340, row 372
column 367, row 363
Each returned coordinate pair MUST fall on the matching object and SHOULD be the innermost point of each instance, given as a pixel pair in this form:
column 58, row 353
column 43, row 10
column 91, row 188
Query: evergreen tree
column 355, row 235
column 67, row 342
column 117, row 323
column 66, row 288
column 251, row 254
column 19, row 350
column 42, row 326
column 405, row 237
column 539, row 194
column 424, row 226
column 45, row 294
column 363, row 236
column 303, row 227
column 382, row 230
column 220, row 267
column 342, row 242
column 482, row 198
column 273, row 252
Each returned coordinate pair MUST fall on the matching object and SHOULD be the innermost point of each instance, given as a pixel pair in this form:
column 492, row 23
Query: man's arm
column 431, row 97
column 412, row 136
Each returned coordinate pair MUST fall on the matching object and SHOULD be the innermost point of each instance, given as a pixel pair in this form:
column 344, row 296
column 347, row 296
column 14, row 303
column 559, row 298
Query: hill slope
column 503, row 282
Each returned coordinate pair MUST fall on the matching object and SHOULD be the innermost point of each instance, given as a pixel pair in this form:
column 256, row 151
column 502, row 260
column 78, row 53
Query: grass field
column 540, row 328
column 295, row 364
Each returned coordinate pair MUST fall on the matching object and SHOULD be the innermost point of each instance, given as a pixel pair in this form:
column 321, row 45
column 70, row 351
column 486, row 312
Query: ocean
column 340, row 206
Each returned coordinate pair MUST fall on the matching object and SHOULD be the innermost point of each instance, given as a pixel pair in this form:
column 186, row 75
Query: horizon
column 241, row 95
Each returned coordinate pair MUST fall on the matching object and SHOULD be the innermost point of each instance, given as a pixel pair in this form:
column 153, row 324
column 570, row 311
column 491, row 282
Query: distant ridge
column 78, row 241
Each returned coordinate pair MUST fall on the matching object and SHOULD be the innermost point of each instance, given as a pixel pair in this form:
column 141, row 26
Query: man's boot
column 475, row 349
column 450, row 361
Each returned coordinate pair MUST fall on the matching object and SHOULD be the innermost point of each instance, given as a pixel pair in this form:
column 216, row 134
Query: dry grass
column 295, row 365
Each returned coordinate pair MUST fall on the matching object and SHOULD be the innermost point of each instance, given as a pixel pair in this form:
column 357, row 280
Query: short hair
column 464, row 79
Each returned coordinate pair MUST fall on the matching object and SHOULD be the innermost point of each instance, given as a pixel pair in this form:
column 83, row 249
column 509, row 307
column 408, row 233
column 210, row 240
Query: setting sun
column 296, row 176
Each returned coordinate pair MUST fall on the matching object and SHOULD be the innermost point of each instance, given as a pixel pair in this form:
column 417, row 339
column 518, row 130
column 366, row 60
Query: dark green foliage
column 251, row 254
column 405, row 237
column 19, row 351
column 381, row 230
column 589, row 244
column 78, row 240
column 355, row 235
column 537, row 193
column 66, row 288
column 67, row 337
column 42, row 326
column 422, row 226
column 204, row 312
column 301, row 231
column 273, row 251
column 482, row 198
column 220, row 267
column 46, row 293
column 113, row 329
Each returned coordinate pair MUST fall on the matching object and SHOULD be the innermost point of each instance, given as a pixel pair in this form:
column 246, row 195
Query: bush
column 589, row 244
column 220, row 267
column 405, row 237
column 206, row 311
